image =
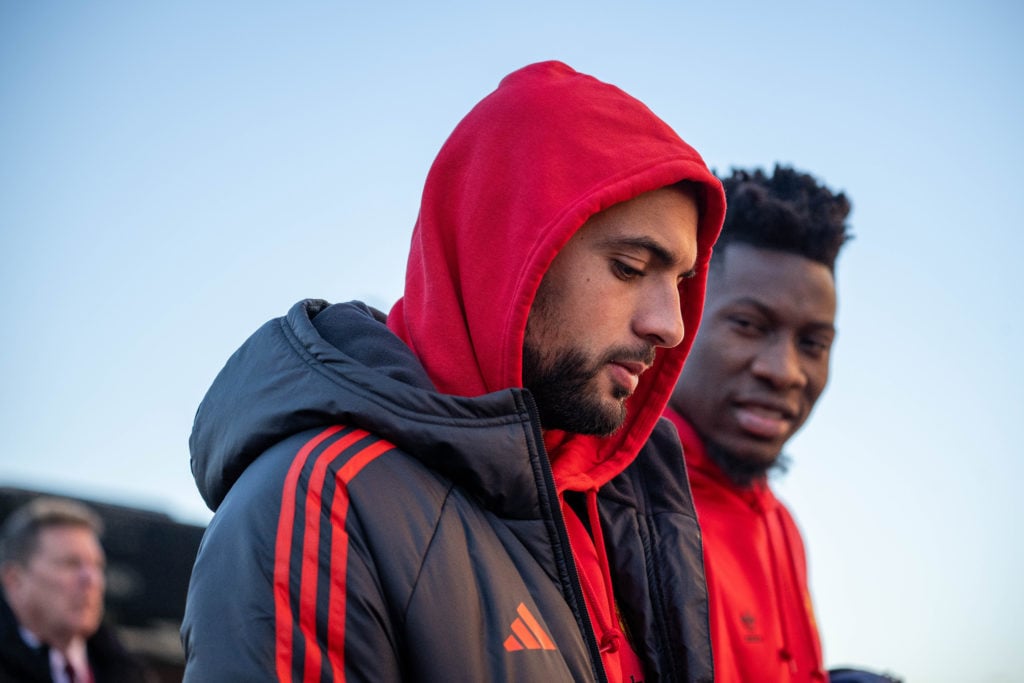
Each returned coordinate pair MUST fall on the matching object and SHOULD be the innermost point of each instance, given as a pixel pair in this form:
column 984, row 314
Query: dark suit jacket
column 19, row 663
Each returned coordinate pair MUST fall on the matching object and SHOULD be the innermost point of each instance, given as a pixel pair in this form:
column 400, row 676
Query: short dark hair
column 19, row 537
column 789, row 211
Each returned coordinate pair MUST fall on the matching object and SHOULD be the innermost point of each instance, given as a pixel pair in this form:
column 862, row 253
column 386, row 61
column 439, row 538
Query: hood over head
column 519, row 175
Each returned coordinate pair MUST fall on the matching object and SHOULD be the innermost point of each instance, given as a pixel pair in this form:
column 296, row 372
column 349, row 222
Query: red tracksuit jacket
column 762, row 621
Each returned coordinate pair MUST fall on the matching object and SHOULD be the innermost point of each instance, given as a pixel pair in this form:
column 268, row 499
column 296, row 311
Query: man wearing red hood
column 477, row 487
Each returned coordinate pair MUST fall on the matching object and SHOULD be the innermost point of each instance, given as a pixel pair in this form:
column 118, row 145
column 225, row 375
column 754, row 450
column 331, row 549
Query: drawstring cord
column 784, row 575
column 612, row 635
column 810, row 633
column 784, row 653
column 609, row 636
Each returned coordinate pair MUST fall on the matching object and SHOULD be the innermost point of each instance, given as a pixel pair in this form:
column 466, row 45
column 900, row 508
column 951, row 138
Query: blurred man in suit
column 51, row 606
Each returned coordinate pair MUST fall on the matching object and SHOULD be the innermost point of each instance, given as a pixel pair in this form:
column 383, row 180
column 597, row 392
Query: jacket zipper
column 551, row 495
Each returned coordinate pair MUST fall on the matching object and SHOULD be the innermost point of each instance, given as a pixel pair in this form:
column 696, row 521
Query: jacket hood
column 524, row 170
column 323, row 365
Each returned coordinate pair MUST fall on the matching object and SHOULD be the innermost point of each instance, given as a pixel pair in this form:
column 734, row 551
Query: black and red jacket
column 387, row 506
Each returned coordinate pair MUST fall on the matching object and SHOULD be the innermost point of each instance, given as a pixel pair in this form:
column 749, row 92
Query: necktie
column 70, row 671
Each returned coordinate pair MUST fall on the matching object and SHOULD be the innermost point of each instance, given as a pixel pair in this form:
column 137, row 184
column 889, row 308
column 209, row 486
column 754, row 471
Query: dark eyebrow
column 663, row 256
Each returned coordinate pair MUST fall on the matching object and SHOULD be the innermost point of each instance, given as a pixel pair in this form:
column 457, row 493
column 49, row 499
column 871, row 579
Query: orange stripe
column 282, row 558
column 513, row 645
column 311, row 553
column 520, row 629
column 535, row 628
column 339, row 561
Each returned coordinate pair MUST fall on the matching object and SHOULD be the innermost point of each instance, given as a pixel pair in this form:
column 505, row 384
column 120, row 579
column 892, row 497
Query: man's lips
column 627, row 373
column 764, row 419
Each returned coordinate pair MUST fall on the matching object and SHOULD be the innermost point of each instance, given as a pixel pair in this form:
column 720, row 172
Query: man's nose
column 660, row 320
column 90, row 575
column 778, row 362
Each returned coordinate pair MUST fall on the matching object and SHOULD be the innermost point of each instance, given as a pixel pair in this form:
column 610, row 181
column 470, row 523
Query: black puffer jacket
column 368, row 525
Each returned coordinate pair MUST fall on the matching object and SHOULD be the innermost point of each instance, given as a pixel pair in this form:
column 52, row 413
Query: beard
column 743, row 471
column 563, row 390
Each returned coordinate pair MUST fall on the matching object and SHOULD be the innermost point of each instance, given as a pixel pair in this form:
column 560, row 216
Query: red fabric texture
column 762, row 620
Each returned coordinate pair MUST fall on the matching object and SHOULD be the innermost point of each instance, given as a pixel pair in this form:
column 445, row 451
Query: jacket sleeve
column 283, row 588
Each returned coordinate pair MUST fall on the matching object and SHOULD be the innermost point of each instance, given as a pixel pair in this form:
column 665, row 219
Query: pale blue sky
column 174, row 174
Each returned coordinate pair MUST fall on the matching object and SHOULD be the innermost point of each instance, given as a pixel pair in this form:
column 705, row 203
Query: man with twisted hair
column 758, row 365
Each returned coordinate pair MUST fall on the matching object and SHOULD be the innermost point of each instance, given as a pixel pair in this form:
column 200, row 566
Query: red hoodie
column 762, row 621
column 518, row 176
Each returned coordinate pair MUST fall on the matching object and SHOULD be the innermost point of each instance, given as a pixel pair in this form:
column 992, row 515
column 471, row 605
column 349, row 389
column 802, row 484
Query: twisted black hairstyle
column 788, row 211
